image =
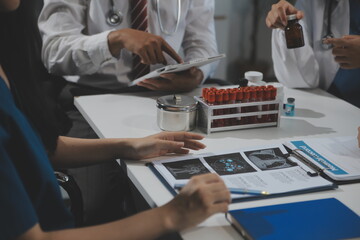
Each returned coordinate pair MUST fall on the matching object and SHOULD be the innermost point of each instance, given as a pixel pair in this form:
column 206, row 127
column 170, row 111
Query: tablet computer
column 178, row 67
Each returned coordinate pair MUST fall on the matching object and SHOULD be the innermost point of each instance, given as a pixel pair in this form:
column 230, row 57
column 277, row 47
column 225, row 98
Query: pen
column 178, row 186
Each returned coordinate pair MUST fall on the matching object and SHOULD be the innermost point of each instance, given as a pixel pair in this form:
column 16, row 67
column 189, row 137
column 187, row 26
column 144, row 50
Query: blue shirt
column 346, row 84
column 29, row 192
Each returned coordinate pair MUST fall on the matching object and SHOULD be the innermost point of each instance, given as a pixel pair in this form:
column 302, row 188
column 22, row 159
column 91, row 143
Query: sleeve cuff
column 206, row 69
column 99, row 49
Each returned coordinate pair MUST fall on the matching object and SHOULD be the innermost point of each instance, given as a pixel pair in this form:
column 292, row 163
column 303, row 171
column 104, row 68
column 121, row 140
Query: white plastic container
column 256, row 78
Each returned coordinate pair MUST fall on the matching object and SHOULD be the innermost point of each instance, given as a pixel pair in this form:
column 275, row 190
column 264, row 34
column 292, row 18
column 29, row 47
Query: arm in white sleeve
column 199, row 39
column 295, row 68
column 66, row 49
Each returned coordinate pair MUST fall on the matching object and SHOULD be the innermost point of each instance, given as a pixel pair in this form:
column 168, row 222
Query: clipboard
column 239, row 168
column 174, row 191
column 335, row 159
column 178, row 67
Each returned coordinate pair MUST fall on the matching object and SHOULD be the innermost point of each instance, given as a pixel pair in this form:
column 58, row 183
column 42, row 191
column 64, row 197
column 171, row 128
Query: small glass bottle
column 294, row 33
column 290, row 107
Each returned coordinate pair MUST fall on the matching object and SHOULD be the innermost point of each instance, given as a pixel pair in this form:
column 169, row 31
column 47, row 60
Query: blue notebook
column 318, row 219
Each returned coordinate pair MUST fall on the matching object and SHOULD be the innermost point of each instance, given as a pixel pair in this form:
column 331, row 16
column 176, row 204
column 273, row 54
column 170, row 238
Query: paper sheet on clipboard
column 338, row 157
column 178, row 67
column 265, row 168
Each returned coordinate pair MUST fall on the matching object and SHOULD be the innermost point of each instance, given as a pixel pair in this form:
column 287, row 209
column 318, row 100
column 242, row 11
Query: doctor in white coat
column 319, row 63
column 78, row 40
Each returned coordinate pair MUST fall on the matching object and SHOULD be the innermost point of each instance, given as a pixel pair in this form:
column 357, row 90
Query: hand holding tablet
column 178, row 67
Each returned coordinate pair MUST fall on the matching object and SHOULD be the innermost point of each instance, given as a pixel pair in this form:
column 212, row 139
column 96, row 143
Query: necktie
column 139, row 21
column 346, row 84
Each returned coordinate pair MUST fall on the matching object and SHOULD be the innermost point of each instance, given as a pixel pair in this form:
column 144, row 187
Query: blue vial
column 290, row 107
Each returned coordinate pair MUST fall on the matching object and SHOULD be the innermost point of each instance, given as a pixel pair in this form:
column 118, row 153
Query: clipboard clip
column 295, row 153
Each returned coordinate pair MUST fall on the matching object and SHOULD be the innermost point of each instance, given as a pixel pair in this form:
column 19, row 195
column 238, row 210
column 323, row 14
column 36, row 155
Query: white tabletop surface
column 318, row 115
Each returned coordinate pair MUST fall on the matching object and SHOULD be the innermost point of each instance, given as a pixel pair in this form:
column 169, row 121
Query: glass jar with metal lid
column 176, row 113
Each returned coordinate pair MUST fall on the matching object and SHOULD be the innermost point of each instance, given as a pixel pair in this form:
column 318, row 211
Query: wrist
column 128, row 148
column 115, row 43
column 168, row 217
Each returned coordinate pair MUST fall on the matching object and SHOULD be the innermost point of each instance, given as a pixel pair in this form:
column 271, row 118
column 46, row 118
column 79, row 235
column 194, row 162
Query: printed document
column 267, row 168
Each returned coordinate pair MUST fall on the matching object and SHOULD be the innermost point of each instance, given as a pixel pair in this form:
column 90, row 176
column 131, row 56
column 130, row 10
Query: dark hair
column 34, row 89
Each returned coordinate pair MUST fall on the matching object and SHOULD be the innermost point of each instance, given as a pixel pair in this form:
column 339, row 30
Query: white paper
column 265, row 169
column 339, row 157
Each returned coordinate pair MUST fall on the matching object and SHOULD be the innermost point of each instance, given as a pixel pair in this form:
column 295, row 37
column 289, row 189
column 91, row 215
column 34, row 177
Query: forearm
column 146, row 225
column 77, row 152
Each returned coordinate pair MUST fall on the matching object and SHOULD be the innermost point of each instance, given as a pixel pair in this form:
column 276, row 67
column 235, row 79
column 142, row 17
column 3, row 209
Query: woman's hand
column 202, row 197
column 161, row 144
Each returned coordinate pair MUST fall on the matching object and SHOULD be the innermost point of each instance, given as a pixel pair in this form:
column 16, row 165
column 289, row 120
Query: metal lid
column 291, row 100
column 177, row 103
column 291, row 17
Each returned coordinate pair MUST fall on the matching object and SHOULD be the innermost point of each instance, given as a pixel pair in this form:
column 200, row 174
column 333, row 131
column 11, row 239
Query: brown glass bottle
column 294, row 33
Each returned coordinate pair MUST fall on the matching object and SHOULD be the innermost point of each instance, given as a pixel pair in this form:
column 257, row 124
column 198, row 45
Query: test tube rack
column 243, row 117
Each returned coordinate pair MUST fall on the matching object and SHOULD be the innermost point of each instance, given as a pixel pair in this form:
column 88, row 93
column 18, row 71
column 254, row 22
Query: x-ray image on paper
column 268, row 159
column 228, row 164
column 186, row 169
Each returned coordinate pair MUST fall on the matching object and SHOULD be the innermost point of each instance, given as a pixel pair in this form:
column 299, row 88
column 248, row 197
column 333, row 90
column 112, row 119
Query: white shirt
column 310, row 66
column 74, row 34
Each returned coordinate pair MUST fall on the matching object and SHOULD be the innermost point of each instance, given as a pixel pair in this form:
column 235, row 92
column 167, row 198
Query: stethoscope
column 328, row 34
column 115, row 17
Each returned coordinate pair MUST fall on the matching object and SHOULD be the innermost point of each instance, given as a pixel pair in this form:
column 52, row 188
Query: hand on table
column 276, row 17
column 179, row 82
column 148, row 46
column 346, row 50
column 163, row 143
column 202, row 197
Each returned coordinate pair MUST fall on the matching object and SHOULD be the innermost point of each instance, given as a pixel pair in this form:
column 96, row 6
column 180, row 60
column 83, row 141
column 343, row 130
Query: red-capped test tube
column 204, row 94
column 211, row 101
column 239, row 99
column 246, row 99
column 260, row 99
column 232, row 100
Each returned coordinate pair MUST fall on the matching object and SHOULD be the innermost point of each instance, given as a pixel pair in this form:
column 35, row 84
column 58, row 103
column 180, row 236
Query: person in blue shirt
column 31, row 206
column 106, row 190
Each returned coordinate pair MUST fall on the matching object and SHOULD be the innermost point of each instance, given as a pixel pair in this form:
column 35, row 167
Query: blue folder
column 318, row 219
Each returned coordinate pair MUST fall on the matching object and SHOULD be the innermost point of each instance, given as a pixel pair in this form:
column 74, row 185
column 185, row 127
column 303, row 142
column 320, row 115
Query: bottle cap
column 254, row 76
column 291, row 100
column 291, row 17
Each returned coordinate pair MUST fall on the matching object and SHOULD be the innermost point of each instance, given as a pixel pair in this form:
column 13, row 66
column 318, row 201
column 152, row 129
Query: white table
column 318, row 114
